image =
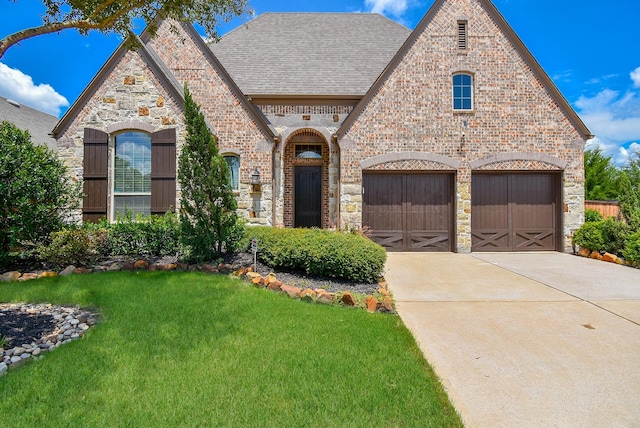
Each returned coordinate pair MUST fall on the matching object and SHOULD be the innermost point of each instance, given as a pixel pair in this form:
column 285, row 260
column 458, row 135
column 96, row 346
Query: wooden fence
column 606, row 208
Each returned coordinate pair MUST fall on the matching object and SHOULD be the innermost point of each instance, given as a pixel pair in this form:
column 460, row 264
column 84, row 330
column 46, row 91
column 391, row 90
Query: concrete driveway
column 526, row 340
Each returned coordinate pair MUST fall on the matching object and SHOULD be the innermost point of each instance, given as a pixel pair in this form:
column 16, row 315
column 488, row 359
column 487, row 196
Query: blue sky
column 588, row 48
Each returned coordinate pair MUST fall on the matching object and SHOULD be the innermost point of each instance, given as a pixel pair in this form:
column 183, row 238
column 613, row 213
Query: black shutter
column 96, row 159
column 163, row 171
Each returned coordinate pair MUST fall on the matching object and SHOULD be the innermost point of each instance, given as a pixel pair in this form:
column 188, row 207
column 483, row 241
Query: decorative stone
column 129, row 80
column 387, row 304
column 19, row 350
column 67, row 271
column 3, row 367
column 259, row 281
column 371, row 303
column 141, row 265
column 109, row 100
column 275, row 286
column 291, row 291
column 47, row 274
column 596, row 255
column 584, row 252
column 36, row 352
column 270, row 278
column 183, row 267
column 10, row 276
column 126, row 266
column 308, row 295
column 348, row 299
column 143, row 111
column 611, row 258
column 324, row 298
column 28, row 276
column 225, row 268
column 160, row 102
column 208, row 268
column 241, row 272
column 15, row 359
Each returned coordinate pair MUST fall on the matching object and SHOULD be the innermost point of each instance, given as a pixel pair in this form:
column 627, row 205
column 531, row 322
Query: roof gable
column 39, row 124
column 512, row 38
column 339, row 54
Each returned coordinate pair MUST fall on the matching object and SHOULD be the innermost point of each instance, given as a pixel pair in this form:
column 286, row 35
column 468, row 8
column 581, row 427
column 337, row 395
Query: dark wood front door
column 409, row 212
column 515, row 212
column 308, row 196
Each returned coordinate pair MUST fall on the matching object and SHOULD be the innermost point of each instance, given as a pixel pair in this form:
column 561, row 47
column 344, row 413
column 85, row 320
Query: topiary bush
column 631, row 251
column 319, row 252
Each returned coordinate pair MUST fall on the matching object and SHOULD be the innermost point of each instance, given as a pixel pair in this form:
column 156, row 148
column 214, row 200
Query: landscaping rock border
column 377, row 300
column 69, row 323
column 606, row 257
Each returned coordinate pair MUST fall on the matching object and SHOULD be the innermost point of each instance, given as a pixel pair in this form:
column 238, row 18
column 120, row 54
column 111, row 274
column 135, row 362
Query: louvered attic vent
column 462, row 35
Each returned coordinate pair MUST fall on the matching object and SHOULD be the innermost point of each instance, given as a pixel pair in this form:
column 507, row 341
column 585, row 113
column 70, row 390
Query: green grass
column 190, row 349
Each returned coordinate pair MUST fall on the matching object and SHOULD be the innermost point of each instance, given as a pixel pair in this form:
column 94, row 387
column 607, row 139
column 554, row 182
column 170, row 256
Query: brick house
column 447, row 138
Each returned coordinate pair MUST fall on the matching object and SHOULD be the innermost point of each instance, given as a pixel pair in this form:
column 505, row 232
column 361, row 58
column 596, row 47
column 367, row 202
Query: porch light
column 256, row 187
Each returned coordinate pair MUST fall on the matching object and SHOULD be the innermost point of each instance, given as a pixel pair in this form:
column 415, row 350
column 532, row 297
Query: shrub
column 606, row 236
column 614, row 234
column 319, row 252
column 74, row 246
column 592, row 215
column 589, row 236
column 631, row 251
column 36, row 198
column 208, row 206
column 145, row 236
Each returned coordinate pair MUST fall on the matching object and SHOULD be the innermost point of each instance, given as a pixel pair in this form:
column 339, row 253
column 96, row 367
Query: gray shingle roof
column 39, row 124
column 310, row 53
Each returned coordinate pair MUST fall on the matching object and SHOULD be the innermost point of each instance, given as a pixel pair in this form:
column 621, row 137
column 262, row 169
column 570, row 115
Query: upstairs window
column 132, row 174
column 462, row 91
column 462, row 35
column 233, row 162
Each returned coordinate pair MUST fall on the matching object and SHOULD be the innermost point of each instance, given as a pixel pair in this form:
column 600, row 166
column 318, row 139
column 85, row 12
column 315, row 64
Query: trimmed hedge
column 145, row 236
column 74, row 246
column 319, row 252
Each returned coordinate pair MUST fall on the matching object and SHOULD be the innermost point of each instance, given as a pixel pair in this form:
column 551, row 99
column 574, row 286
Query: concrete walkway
column 526, row 340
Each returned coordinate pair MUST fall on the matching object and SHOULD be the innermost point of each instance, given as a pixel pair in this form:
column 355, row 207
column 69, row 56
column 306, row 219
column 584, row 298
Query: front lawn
column 191, row 349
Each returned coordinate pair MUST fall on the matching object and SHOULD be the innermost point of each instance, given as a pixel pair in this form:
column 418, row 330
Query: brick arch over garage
column 554, row 162
column 447, row 162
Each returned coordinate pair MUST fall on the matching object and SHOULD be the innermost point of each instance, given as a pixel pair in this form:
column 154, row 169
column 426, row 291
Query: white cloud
column 16, row 85
column 615, row 119
column 394, row 7
column 635, row 76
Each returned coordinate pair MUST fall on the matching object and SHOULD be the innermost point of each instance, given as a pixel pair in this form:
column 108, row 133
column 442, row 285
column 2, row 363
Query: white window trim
column 473, row 98
column 111, row 174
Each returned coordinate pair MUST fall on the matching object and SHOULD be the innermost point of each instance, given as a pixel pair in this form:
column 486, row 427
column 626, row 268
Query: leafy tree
column 601, row 176
column 36, row 198
column 630, row 193
column 208, row 206
column 118, row 16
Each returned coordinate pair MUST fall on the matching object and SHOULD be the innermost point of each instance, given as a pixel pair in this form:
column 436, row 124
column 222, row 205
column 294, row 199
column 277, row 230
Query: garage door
column 515, row 212
column 409, row 212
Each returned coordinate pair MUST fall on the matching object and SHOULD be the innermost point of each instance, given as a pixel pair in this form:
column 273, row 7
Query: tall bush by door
column 208, row 206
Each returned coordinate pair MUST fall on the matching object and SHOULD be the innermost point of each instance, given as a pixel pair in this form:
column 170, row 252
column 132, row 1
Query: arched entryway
column 306, row 180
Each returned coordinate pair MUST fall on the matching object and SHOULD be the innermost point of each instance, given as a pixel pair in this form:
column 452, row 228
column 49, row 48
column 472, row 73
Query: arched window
column 462, row 91
column 233, row 162
column 132, row 174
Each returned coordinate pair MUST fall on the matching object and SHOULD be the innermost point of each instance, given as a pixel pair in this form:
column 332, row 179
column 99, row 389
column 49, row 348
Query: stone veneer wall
column 513, row 114
column 232, row 122
column 130, row 97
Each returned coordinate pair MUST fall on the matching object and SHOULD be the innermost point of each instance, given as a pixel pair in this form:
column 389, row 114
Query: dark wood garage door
column 515, row 212
column 409, row 212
